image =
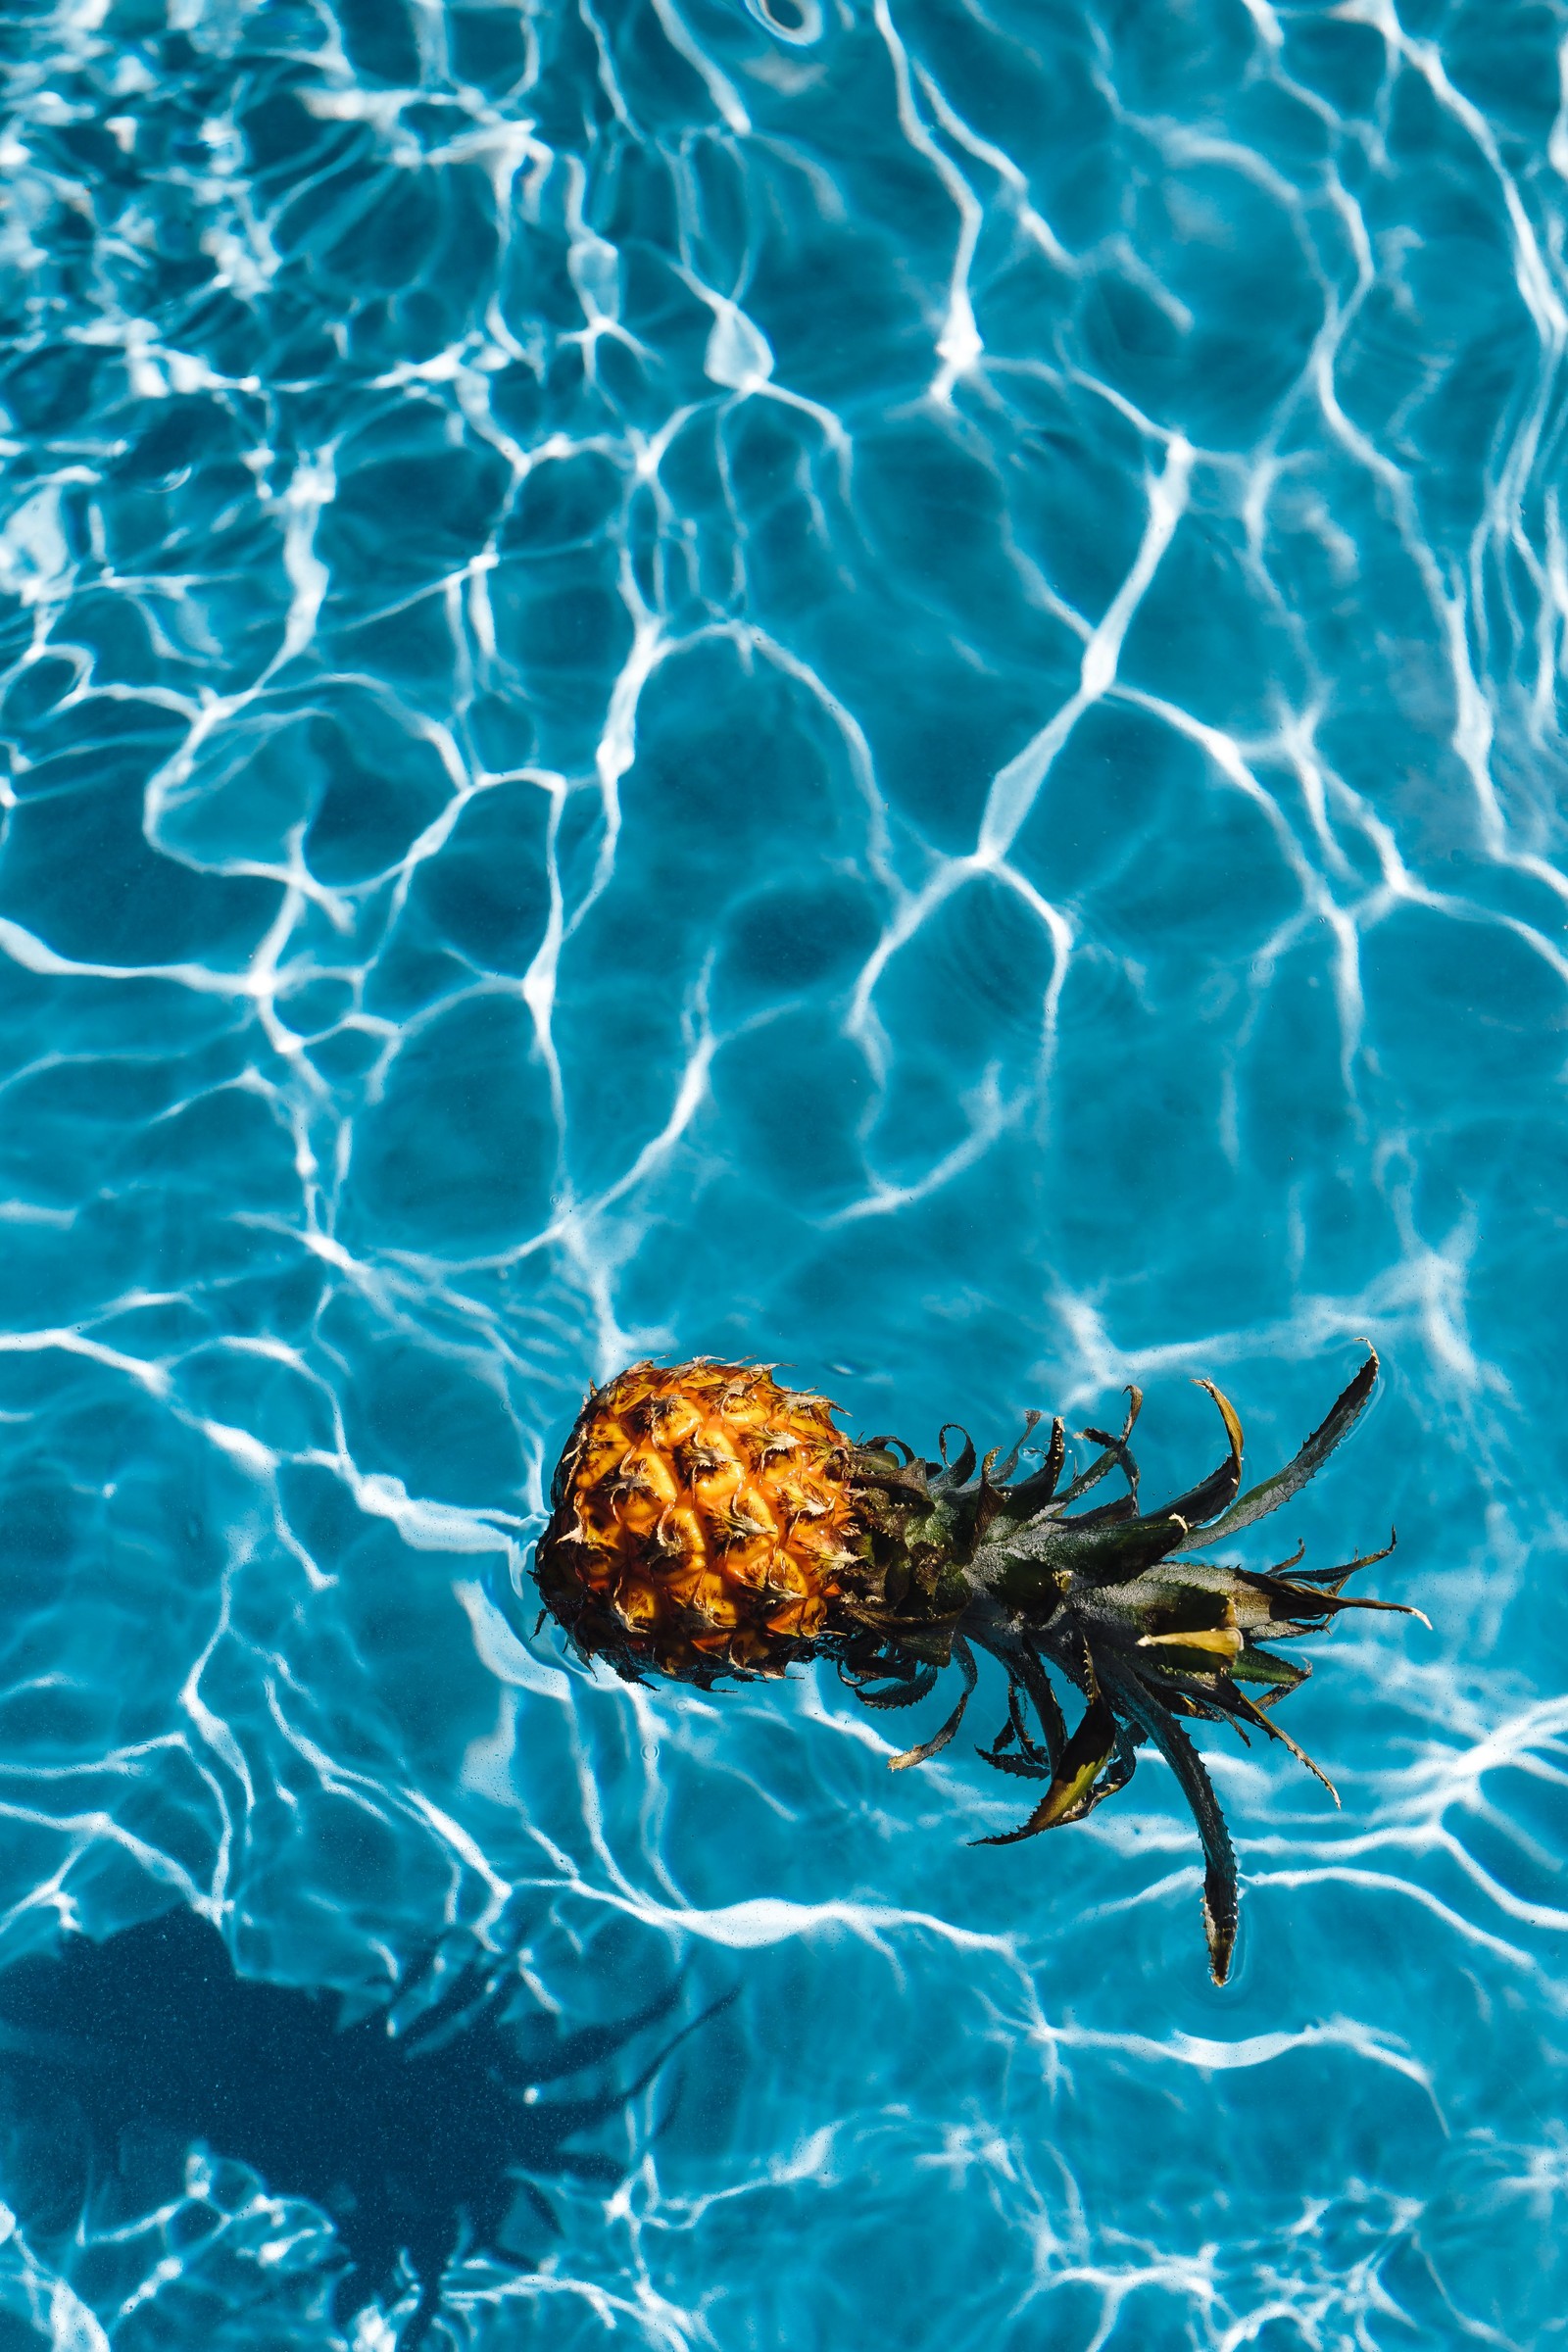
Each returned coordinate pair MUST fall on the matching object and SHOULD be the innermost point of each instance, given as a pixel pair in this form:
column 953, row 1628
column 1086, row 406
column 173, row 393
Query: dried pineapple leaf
column 885, row 1444
column 1258, row 1501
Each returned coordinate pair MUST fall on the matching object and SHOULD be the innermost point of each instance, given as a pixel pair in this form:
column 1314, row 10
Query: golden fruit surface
column 700, row 1516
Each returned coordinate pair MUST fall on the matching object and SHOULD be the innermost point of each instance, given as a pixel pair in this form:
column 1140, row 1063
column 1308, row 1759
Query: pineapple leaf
column 1020, row 1766
column 1102, row 1550
column 1265, row 1723
column 1254, row 1665
column 1025, row 1672
column 1116, row 1778
column 1030, row 1420
column 953, row 1474
column 1037, row 1490
column 1212, row 1493
column 1084, row 1481
column 1088, row 1752
column 1116, row 1443
column 938, row 1740
column 1260, row 1500
column 1221, row 1900
column 1107, row 1514
column 1053, row 1723
column 906, row 1694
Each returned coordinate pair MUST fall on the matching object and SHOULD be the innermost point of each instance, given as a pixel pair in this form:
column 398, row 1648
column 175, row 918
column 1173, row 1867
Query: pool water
column 869, row 684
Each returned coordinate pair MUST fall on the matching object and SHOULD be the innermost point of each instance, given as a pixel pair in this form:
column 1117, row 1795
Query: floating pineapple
column 707, row 1522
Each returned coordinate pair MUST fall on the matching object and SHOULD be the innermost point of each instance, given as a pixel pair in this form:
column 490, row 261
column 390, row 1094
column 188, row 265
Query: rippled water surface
column 871, row 683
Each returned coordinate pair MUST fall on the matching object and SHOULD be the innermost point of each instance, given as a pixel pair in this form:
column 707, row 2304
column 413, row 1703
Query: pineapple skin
column 703, row 1524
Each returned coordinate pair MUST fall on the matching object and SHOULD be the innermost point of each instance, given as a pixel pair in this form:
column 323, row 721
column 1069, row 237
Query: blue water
column 869, row 684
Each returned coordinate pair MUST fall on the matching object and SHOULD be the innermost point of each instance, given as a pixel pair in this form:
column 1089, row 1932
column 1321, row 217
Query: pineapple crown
column 1110, row 1597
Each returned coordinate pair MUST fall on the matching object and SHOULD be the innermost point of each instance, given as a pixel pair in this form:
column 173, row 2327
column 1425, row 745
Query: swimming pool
column 856, row 683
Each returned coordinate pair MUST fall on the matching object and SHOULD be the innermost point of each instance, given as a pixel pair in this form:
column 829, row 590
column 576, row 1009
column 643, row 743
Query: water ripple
column 869, row 684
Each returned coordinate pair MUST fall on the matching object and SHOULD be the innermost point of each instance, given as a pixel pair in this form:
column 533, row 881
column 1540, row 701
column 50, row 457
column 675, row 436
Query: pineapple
column 707, row 1522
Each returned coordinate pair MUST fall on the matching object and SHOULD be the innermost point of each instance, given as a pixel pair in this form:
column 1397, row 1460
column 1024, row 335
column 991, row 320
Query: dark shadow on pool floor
column 431, row 2140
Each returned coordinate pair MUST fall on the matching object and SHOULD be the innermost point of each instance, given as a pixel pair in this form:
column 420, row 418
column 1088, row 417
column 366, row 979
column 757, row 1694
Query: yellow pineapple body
column 701, row 1518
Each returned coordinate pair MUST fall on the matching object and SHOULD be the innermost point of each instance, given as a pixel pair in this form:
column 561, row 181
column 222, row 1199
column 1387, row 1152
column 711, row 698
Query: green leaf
column 1031, row 1493
column 1110, row 1552
column 920, row 1685
column 1088, row 1752
column 1213, row 1491
column 1221, row 1895
column 1254, row 1665
column 938, row 1740
column 1260, row 1500
column 1025, row 1673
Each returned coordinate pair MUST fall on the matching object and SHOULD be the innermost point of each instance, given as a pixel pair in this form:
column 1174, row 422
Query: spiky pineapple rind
column 708, row 1523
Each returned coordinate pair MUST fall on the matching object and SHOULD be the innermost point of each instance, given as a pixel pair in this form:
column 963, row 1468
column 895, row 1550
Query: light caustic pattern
column 863, row 683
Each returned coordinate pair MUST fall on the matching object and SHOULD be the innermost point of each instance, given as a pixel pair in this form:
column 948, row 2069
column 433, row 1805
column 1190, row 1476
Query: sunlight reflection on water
column 868, row 685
